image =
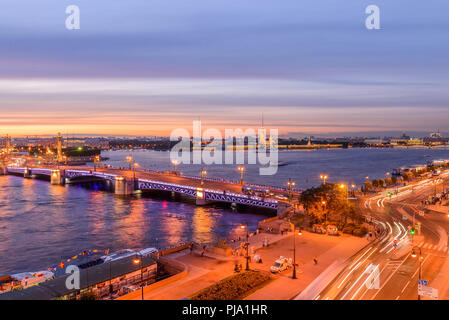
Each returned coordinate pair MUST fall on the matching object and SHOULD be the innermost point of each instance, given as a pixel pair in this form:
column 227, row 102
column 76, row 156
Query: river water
column 41, row 225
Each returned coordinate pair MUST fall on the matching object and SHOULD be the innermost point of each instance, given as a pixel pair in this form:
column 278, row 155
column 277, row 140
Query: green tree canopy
column 327, row 199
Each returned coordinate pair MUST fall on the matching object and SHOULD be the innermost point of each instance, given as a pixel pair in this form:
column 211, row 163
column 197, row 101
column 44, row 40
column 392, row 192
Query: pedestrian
column 203, row 251
column 191, row 247
column 315, row 260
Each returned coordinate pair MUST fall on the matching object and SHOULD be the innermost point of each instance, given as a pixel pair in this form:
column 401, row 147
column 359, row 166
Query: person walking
column 203, row 251
column 315, row 260
column 191, row 247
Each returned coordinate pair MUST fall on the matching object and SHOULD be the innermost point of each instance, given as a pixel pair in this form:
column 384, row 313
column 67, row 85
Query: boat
column 279, row 164
column 24, row 280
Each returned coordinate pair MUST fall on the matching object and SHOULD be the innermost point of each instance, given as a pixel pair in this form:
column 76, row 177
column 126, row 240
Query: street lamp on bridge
column 203, row 173
column 241, row 169
column 130, row 160
column 97, row 159
column 175, row 164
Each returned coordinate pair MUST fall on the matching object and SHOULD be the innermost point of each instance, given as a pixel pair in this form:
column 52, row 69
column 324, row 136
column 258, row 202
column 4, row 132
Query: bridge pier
column 27, row 173
column 282, row 207
column 56, row 178
column 123, row 187
column 201, row 198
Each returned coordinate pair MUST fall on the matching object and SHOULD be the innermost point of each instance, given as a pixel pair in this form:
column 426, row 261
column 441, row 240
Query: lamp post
column 175, row 164
column 96, row 160
column 139, row 260
column 323, row 177
column 323, row 204
column 294, row 250
column 345, row 187
column 243, row 226
column 414, row 255
column 353, row 190
column 241, row 169
column 129, row 159
column 290, row 184
column 203, row 173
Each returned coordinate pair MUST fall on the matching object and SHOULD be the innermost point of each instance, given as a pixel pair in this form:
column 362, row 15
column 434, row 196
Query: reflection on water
column 41, row 224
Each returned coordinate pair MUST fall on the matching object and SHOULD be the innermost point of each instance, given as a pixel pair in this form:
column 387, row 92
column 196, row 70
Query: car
column 332, row 230
column 281, row 264
column 318, row 228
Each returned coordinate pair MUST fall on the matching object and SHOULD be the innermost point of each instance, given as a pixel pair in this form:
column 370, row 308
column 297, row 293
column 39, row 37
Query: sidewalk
column 438, row 208
column 204, row 271
column 327, row 249
column 441, row 282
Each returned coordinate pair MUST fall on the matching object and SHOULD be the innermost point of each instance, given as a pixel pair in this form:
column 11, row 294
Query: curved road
column 385, row 269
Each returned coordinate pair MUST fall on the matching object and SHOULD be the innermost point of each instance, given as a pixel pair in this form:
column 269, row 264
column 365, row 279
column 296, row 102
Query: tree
column 375, row 183
column 381, row 182
column 389, row 181
column 368, row 185
column 394, row 179
column 328, row 201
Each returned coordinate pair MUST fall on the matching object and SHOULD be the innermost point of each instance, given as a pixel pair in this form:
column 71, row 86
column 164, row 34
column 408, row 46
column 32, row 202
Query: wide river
column 41, row 225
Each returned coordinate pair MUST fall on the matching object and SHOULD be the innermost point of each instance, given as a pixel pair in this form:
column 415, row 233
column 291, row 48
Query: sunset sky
column 147, row 67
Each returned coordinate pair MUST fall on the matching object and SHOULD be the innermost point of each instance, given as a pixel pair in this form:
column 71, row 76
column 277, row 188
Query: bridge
column 126, row 182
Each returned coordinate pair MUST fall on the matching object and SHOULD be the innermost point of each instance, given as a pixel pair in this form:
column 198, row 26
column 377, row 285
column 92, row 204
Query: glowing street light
column 138, row 260
column 175, row 164
column 345, row 187
column 290, row 184
column 97, row 159
column 241, row 169
column 245, row 226
column 129, row 159
column 203, row 173
column 323, row 204
column 323, row 177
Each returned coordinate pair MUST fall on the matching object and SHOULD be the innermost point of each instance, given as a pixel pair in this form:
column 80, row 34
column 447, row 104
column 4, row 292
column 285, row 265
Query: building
column 104, row 280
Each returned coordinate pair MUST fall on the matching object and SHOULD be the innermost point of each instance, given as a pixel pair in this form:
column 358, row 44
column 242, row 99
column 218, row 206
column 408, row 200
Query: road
column 170, row 177
column 386, row 269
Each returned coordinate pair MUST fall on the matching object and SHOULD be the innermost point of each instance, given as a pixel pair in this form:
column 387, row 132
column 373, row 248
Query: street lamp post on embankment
column 139, row 260
column 294, row 251
column 243, row 226
column 290, row 184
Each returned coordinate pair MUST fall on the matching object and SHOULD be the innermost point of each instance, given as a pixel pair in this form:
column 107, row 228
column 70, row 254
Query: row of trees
column 406, row 176
column 379, row 183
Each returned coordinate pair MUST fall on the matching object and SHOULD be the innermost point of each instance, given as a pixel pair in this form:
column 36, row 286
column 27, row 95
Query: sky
column 147, row 67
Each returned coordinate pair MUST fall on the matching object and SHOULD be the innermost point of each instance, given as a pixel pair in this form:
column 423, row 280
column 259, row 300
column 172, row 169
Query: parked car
column 332, row 230
column 318, row 228
column 281, row 264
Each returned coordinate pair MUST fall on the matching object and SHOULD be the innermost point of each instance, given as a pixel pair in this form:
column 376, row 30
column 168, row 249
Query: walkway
column 326, row 249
